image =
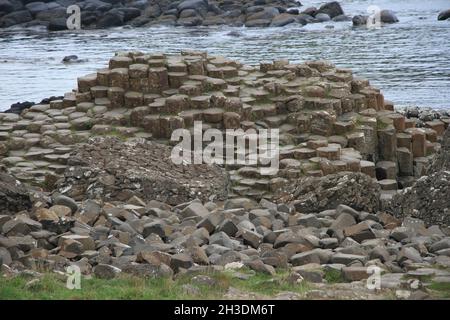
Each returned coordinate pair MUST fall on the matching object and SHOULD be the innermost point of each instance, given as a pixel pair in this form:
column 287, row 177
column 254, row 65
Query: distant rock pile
column 187, row 13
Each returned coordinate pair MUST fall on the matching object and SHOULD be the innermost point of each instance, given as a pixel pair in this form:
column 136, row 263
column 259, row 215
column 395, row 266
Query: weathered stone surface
column 14, row 196
column 317, row 194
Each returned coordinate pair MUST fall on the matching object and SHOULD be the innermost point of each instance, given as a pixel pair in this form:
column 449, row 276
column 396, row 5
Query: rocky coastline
column 98, row 14
column 87, row 181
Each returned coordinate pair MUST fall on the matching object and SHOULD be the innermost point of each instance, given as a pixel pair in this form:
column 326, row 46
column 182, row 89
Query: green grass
column 440, row 289
column 333, row 276
column 126, row 287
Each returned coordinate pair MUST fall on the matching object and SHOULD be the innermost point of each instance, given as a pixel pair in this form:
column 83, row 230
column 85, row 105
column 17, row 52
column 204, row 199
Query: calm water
column 409, row 61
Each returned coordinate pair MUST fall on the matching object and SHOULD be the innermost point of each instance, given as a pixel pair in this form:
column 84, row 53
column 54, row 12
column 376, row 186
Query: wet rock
column 6, row 6
column 332, row 9
column 15, row 17
column 444, row 15
column 282, row 20
column 359, row 20
column 388, row 16
column 112, row 18
column 322, row 17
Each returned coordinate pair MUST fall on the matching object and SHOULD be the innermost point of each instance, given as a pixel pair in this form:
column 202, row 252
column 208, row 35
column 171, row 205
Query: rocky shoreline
column 88, row 181
column 97, row 14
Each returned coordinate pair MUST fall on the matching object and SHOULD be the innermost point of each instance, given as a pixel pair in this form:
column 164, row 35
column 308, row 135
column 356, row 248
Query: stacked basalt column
column 329, row 120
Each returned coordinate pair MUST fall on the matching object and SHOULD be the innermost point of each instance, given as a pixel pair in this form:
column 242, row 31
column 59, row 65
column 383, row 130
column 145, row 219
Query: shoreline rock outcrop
column 98, row 14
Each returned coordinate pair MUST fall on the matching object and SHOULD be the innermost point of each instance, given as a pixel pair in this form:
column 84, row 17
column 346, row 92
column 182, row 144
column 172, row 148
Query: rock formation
column 429, row 198
column 121, row 207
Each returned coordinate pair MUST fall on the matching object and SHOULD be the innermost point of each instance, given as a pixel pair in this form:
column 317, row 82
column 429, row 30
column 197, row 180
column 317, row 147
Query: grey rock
column 14, row 196
column 359, row 20
column 322, row 17
column 5, row 256
column 222, row 239
column 388, row 16
column 440, row 245
column 156, row 227
column 332, row 9
column 347, row 259
column 180, row 260
column 380, row 253
column 251, row 238
column 409, row 253
column 309, row 220
column 65, row 201
column 105, row 271
column 228, row 227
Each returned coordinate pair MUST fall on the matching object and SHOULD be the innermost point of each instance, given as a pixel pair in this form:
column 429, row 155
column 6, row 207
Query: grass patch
column 441, row 289
column 333, row 276
column 126, row 287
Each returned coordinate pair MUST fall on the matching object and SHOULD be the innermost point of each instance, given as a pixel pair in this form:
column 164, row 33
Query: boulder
column 322, row 17
column 15, row 17
column 112, row 18
column 57, row 24
column 6, row 6
column 36, row 7
column 180, row 260
column 105, row 271
column 332, row 9
column 444, row 15
column 200, row 6
column 359, row 20
column 388, row 16
column 268, row 13
column 282, row 20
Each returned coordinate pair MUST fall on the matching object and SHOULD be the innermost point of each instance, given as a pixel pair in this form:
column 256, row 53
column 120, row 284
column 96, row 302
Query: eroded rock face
column 14, row 195
column 315, row 194
column 429, row 198
column 109, row 168
column 442, row 160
